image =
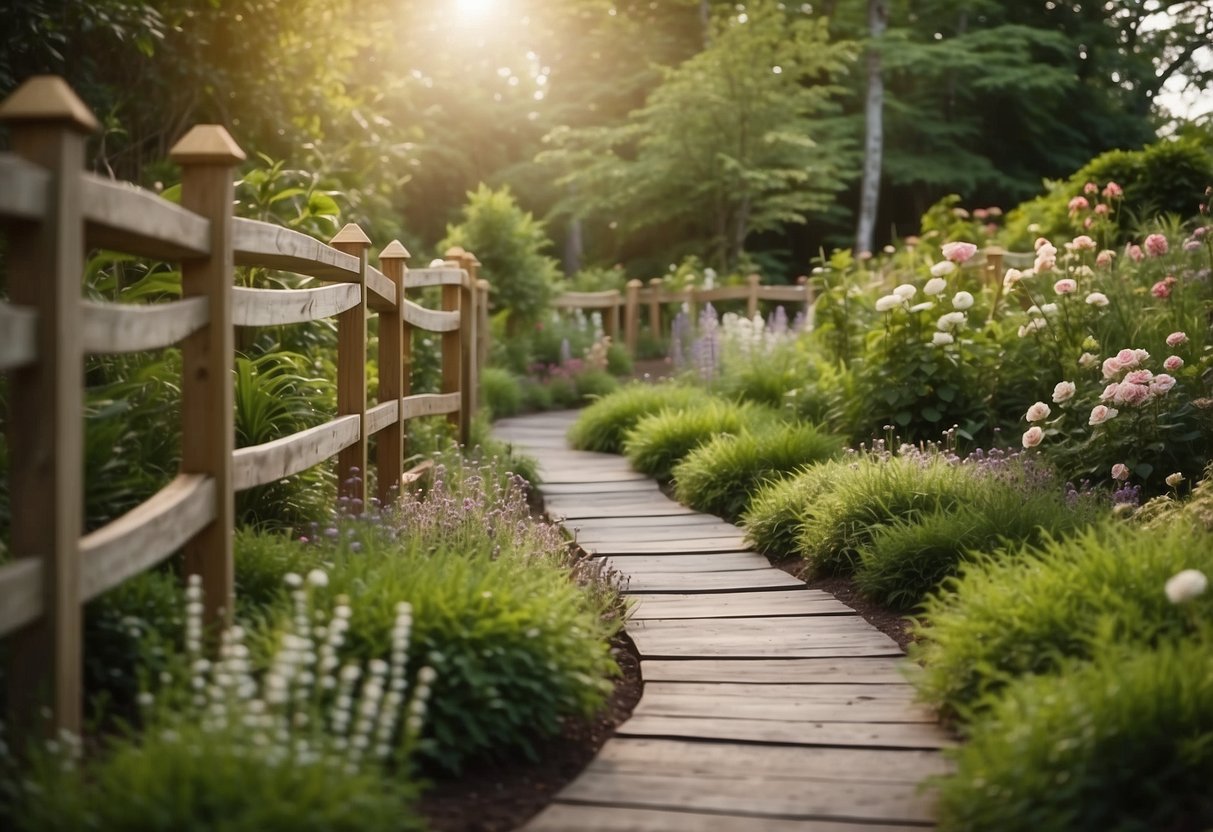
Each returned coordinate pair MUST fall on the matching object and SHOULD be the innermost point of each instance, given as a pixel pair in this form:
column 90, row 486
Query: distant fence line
column 53, row 213
column 625, row 306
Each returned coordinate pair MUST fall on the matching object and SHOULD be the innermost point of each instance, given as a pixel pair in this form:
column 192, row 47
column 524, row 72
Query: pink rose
column 1078, row 203
column 1038, row 412
column 1139, row 377
column 1081, row 243
column 1064, row 391
column 1177, row 338
column 980, row 213
column 1101, row 209
column 1156, row 245
column 959, row 252
column 1134, row 253
column 1191, row 245
column 1131, row 394
column 1065, row 286
column 1161, row 290
column 1173, row 363
column 1102, row 413
column 1109, row 392
column 1120, row 472
column 1040, row 241
column 1127, row 358
column 1111, row 366
column 1104, row 258
column 1088, row 222
column 1090, row 188
column 1162, row 383
column 1112, row 191
column 1033, row 436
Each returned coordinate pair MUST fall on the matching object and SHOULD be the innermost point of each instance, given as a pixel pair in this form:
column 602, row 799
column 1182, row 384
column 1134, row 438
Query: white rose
column 943, row 268
column 888, row 302
column 1097, row 299
column 1186, row 585
column 1064, row 391
column 905, row 291
column 941, row 339
column 962, row 300
column 936, row 285
column 1038, row 412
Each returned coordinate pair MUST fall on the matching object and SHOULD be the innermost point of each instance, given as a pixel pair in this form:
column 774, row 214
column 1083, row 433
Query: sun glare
column 475, row 9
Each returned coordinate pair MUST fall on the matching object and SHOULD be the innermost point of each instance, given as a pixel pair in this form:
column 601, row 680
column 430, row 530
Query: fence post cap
column 394, row 251
column 634, row 283
column 753, row 278
column 472, row 261
column 454, row 253
column 995, row 250
column 655, row 281
column 352, row 234
column 48, row 98
column 207, row 144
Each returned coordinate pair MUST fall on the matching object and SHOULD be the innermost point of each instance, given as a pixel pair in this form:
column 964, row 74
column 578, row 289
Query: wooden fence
column 614, row 303
column 653, row 297
column 53, row 213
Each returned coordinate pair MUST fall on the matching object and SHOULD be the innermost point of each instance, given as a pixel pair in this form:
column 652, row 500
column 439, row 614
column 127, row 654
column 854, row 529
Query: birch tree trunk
column 869, row 198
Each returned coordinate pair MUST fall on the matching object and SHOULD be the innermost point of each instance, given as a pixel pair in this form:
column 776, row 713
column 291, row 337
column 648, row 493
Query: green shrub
column 602, row 425
column 659, row 442
column 563, row 391
column 518, row 646
column 190, row 779
column 1009, row 616
column 908, row 558
column 1118, row 745
column 720, row 477
column 619, row 362
column 874, row 490
column 595, row 384
column 500, row 392
column 535, row 395
column 776, row 513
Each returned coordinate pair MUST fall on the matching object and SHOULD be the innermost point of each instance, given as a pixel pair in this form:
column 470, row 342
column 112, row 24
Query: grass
column 1006, row 617
column 1121, row 744
column 721, row 476
column 775, row 517
column 659, row 442
column 601, row 426
column 500, row 392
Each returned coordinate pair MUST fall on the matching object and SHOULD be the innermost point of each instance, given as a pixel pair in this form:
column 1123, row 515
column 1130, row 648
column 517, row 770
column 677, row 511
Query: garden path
column 767, row 706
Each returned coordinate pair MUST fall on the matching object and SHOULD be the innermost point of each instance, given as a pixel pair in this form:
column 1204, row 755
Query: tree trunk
column 869, row 200
column 574, row 247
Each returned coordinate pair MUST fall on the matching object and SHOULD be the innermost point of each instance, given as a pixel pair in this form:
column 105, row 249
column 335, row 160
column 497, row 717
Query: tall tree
column 873, row 145
column 735, row 140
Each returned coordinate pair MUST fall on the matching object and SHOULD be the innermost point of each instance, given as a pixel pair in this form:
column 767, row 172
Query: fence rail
column 53, row 213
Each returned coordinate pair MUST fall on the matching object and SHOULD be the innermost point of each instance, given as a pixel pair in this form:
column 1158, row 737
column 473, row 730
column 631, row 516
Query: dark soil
column 892, row 624
column 496, row 797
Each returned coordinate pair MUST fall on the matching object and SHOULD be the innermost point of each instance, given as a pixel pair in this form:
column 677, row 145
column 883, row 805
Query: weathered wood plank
column 119, row 328
column 23, row 188
column 854, row 670
column 21, row 589
column 723, row 562
column 758, row 796
column 751, row 580
column 271, row 461
column 417, row 278
column 431, row 320
column 381, row 290
column 670, row 547
column 548, row 474
column 127, row 218
column 682, row 758
column 760, row 638
column 429, row 404
column 259, row 243
column 580, row 510
column 786, row 703
column 274, row 307
column 18, row 336
column 690, row 521
column 146, row 534
column 564, row 817
column 845, row 734
column 593, row 491
column 739, row 605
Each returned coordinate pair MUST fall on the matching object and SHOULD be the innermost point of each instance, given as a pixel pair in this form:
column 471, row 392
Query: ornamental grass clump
column 1014, row 503
column 1120, row 744
column 310, row 740
column 873, row 489
column 602, row 425
column 659, row 442
column 775, row 516
column 1006, row 617
column 721, row 476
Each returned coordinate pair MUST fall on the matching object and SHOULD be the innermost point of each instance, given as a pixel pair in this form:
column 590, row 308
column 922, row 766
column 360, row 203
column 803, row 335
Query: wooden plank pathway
column 767, row 706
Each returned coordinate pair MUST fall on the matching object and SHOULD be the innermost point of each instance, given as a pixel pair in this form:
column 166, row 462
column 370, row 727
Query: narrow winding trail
column 767, row 706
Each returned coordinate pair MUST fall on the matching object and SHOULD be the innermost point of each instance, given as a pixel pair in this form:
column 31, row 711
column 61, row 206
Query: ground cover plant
column 720, row 476
column 603, row 424
column 1006, row 617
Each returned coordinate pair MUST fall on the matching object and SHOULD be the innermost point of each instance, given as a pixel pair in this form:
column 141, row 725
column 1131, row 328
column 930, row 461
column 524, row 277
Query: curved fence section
column 53, row 213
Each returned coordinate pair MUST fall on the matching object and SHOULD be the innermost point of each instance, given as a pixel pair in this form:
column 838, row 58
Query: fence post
column 994, row 256
column 208, row 157
column 470, row 381
column 655, row 308
column 610, row 321
column 452, row 347
column 751, row 301
column 351, row 372
column 631, row 316
column 389, row 443
column 482, row 324
column 49, row 125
